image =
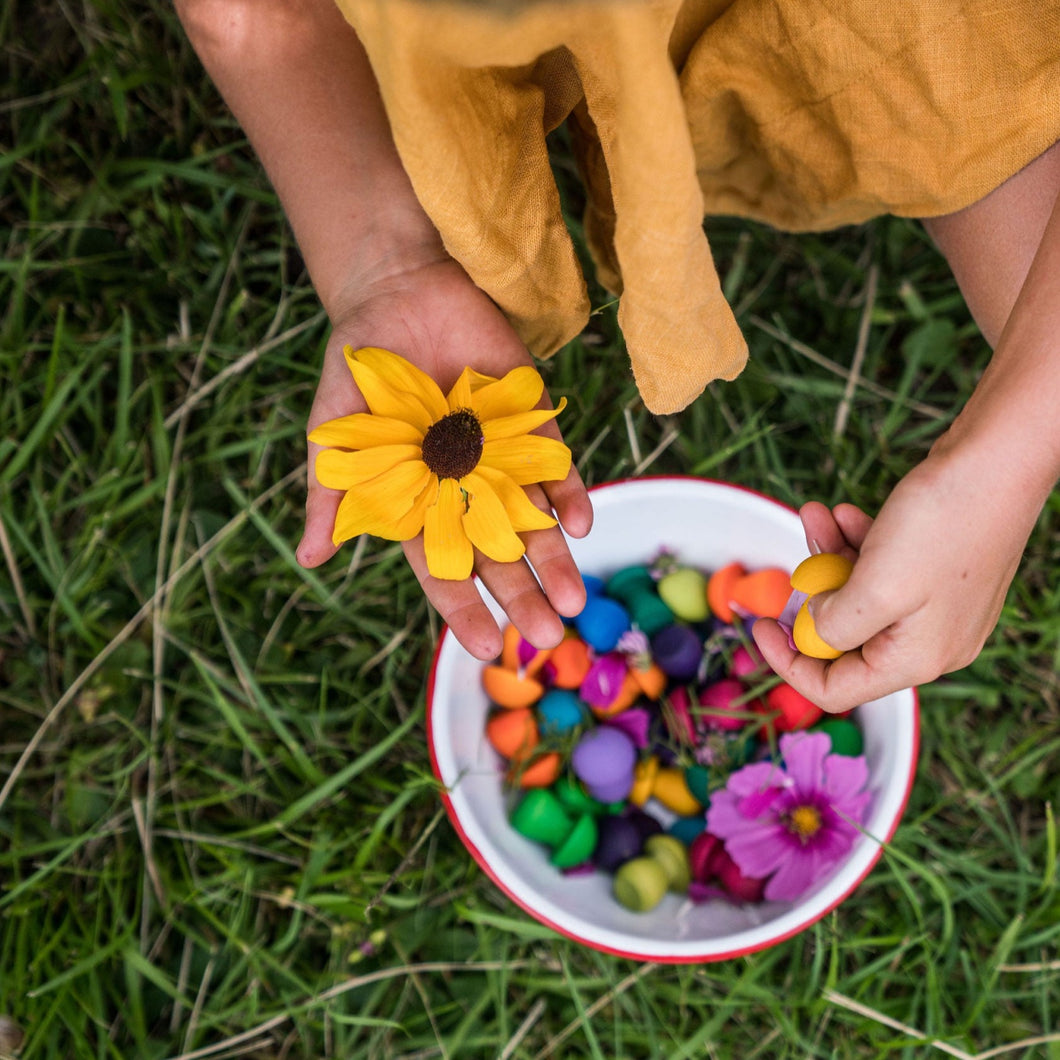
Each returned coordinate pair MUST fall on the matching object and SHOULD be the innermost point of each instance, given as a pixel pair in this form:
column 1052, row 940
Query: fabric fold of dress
column 804, row 114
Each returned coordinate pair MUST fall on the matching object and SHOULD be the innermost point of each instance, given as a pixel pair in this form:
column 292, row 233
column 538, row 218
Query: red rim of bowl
column 664, row 958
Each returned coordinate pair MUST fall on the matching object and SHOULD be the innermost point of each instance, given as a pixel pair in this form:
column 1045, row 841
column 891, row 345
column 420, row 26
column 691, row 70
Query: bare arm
column 935, row 565
column 1005, row 253
column 299, row 82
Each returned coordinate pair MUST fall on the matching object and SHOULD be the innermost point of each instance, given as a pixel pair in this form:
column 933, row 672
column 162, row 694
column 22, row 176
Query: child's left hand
column 929, row 581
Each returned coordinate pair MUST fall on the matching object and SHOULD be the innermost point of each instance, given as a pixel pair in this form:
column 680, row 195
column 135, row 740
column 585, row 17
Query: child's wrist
column 996, row 459
column 396, row 243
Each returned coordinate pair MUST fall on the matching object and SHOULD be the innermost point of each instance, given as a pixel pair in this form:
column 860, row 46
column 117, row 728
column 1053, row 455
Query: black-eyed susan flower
column 452, row 465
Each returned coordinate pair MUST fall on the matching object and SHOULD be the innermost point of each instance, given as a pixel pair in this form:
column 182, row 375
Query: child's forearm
column 1010, row 423
column 1005, row 252
column 934, row 567
column 298, row 81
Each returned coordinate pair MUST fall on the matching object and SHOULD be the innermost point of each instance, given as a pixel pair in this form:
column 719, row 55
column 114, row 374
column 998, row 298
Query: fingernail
column 813, row 605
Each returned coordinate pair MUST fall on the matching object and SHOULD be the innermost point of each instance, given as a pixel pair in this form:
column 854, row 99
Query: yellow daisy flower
column 452, row 465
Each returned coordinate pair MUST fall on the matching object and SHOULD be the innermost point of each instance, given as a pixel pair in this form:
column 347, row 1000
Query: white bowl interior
column 707, row 524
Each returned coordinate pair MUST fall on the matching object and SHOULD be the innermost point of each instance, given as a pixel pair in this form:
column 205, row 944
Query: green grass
column 219, row 832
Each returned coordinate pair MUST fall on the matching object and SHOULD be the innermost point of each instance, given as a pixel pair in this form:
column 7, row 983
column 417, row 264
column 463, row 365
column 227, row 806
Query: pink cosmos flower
column 792, row 822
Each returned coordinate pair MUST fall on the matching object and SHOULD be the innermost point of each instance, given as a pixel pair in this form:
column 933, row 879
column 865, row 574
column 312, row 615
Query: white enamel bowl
column 707, row 524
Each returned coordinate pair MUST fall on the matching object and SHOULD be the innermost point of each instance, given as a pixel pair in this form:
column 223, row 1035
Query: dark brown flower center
column 452, row 447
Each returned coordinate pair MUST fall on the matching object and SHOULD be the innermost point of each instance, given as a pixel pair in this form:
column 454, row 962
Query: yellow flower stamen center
column 804, row 821
column 452, row 446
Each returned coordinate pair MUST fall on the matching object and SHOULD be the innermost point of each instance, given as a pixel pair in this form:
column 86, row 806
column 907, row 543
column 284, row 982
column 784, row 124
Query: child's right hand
column 929, row 579
column 435, row 317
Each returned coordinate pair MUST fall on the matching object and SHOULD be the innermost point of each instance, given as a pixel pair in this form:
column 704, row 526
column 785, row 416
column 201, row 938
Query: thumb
column 316, row 546
column 847, row 618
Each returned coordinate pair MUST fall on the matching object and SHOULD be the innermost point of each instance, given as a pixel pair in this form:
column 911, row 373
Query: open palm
column 435, row 317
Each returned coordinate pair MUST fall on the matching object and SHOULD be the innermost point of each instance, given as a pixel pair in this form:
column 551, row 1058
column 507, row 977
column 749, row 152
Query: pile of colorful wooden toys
column 613, row 741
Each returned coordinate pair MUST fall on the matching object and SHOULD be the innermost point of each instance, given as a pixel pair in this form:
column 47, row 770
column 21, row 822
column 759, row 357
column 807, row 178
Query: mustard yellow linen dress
column 805, row 114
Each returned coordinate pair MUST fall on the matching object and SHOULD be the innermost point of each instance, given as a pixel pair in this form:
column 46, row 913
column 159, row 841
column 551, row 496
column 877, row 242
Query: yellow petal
column 377, row 505
column 411, row 523
column 522, row 512
column 528, row 459
column 460, row 395
column 404, row 375
column 479, row 380
column 449, row 552
column 487, row 523
column 362, row 430
column 519, row 391
column 384, row 398
column 339, row 470
column 521, row 423
column 350, row 520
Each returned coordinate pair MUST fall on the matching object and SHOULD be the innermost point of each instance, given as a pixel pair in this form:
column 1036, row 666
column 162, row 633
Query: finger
column 459, row 604
column 321, row 504
column 847, row 618
column 316, row 546
column 548, row 553
column 516, row 588
column 570, row 501
column 841, row 684
column 853, row 522
column 774, row 644
column 823, row 531
column 568, row 498
column 550, row 557
column 336, row 395
column 877, row 595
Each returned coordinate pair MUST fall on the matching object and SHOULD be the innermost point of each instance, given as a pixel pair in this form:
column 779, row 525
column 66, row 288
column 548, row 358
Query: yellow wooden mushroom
column 817, row 574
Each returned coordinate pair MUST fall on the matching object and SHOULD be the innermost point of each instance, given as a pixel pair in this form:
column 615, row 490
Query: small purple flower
column 786, row 618
column 664, row 562
column 633, row 642
column 636, row 647
column 795, row 822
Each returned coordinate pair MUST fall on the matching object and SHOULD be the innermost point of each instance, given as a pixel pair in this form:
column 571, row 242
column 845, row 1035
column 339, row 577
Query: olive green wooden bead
column 640, row 884
column 672, row 855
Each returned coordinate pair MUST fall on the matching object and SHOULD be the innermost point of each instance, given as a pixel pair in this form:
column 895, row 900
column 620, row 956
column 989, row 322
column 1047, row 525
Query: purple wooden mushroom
column 603, row 760
column 678, row 650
